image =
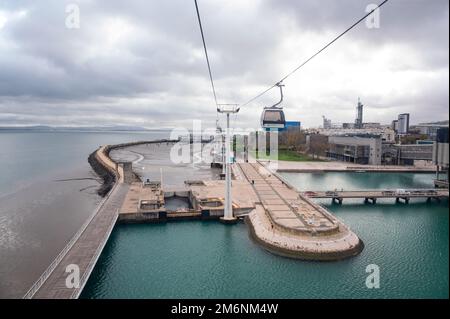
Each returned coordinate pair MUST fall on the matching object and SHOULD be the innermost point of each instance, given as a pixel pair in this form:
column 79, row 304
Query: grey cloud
column 157, row 74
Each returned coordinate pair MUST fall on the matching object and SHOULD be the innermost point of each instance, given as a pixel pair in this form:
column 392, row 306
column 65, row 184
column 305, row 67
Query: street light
column 228, row 109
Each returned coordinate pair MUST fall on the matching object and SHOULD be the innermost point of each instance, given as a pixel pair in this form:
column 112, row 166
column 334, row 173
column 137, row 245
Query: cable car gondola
column 272, row 117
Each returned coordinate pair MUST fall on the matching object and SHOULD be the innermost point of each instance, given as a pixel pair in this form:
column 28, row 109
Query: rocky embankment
column 108, row 171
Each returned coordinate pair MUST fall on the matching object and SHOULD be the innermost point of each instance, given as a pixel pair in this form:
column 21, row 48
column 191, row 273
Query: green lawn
column 286, row 155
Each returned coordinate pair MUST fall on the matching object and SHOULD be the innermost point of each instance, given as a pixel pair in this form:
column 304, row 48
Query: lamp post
column 228, row 216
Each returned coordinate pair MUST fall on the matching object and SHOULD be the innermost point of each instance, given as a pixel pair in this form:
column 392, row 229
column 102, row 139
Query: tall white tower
column 359, row 115
column 228, row 216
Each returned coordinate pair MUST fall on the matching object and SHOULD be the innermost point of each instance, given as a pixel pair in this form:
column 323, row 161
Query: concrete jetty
column 289, row 224
column 145, row 202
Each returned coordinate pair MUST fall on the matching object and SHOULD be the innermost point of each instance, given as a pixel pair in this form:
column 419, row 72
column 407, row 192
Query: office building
column 403, row 124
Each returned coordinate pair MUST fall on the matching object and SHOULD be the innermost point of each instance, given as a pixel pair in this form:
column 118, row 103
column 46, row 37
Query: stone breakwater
column 107, row 169
column 108, row 176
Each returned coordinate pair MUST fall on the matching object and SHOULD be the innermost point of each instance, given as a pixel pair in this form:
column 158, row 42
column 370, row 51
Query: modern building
column 430, row 129
column 292, row 126
column 347, row 126
column 359, row 115
column 440, row 157
column 356, row 148
column 403, row 124
column 326, row 123
column 386, row 133
column 406, row 154
column 371, row 125
column 394, row 125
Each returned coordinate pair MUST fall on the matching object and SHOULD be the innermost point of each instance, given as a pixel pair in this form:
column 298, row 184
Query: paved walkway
column 84, row 252
column 291, row 224
column 284, row 205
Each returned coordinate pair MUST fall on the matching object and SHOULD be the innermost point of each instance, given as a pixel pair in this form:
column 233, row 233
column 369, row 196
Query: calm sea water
column 410, row 244
column 39, row 213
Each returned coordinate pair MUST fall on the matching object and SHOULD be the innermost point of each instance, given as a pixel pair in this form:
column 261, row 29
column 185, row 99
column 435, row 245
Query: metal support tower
column 228, row 109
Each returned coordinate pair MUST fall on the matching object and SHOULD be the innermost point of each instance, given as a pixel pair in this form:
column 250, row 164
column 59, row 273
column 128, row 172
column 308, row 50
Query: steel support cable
column 315, row 54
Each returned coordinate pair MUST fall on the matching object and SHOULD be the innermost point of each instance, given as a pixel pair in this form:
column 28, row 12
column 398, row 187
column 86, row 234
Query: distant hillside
column 43, row 128
column 436, row 123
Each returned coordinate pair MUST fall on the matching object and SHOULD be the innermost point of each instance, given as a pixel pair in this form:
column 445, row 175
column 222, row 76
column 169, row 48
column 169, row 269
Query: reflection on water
column 358, row 181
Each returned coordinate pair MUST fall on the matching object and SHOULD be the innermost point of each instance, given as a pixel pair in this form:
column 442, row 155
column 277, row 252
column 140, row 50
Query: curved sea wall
column 108, row 175
column 302, row 248
column 107, row 169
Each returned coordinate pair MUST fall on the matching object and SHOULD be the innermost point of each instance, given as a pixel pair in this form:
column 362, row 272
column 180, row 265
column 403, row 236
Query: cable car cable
column 206, row 55
column 314, row 55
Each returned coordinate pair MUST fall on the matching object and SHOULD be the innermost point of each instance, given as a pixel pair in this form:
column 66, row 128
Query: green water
column 209, row 260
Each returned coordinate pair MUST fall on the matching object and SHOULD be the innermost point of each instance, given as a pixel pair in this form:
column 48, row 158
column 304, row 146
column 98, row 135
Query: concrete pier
column 85, row 247
column 440, row 183
column 289, row 224
column 371, row 196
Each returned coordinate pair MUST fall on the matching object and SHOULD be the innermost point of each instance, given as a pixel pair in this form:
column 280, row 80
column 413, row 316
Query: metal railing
column 38, row 284
column 76, row 293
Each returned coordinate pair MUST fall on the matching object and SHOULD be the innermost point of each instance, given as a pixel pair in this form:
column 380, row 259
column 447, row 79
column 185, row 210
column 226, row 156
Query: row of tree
column 295, row 140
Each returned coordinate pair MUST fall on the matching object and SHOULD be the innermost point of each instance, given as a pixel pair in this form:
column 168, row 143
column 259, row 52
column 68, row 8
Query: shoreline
column 109, row 173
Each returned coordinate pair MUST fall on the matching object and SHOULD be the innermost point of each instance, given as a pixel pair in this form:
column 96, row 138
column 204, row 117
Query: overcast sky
column 141, row 62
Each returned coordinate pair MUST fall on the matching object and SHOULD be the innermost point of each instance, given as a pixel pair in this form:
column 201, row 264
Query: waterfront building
column 440, row 156
column 430, row 129
column 386, row 133
column 356, row 148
